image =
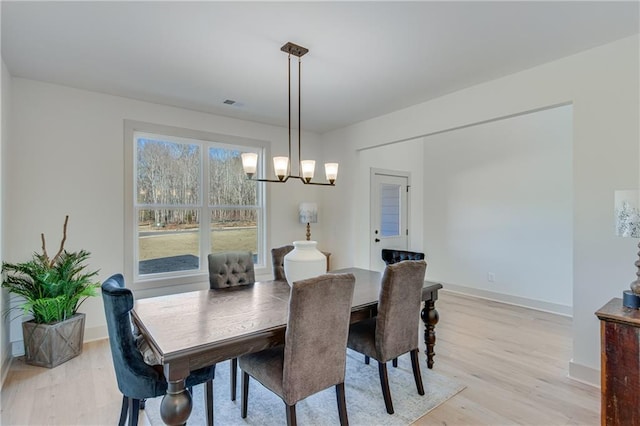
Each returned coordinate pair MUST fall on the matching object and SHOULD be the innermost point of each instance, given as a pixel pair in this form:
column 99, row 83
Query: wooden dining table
column 188, row 331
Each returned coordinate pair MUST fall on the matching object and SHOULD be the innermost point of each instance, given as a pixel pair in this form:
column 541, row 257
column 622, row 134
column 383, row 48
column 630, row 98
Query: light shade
column 331, row 170
column 280, row 166
column 249, row 163
column 308, row 212
column 627, row 213
column 308, row 168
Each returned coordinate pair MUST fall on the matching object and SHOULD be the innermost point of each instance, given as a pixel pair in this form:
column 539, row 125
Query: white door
column 389, row 214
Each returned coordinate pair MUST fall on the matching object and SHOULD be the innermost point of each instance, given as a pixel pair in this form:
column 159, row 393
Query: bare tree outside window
column 170, row 203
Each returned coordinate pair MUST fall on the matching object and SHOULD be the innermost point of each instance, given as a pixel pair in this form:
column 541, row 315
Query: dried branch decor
column 52, row 288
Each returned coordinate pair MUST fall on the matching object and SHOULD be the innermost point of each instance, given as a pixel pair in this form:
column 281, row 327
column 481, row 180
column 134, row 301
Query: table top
column 208, row 319
column 614, row 311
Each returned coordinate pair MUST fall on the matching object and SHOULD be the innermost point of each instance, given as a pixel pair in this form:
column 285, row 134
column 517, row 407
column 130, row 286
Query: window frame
column 204, row 140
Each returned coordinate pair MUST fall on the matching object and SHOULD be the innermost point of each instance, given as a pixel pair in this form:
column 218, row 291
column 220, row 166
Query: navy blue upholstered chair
column 394, row 331
column 231, row 269
column 391, row 256
column 137, row 380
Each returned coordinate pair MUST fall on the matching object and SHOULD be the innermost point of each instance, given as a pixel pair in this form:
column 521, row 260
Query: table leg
column 176, row 404
column 430, row 318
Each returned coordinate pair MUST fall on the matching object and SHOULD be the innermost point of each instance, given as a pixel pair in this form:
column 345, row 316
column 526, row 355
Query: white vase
column 304, row 261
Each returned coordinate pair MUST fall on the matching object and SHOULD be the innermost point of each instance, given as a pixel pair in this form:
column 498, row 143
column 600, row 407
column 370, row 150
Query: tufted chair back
column 277, row 257
column 230, row 269
column 391, row 256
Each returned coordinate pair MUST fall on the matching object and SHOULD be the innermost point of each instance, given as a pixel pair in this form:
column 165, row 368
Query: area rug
column 365, row 405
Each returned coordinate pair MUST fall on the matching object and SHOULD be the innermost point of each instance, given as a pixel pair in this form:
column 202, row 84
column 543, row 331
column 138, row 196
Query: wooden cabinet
column 620, row 364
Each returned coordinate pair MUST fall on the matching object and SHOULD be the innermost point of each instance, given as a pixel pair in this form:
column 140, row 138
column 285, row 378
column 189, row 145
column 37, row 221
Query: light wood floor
column 513, row 360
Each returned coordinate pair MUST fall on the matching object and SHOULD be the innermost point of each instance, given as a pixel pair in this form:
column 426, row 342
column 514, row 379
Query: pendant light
column 282, row 165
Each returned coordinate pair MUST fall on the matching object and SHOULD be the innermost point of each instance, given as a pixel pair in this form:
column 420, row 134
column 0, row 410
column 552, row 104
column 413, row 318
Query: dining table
column 196, row 329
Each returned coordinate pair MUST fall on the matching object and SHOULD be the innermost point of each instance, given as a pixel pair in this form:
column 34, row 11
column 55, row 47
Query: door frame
column 388, row 172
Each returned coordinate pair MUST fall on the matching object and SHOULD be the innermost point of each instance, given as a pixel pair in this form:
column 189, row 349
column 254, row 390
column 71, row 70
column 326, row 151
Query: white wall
column 602, row 84
column 66, row 154
column 5, row 347
column 500, row 201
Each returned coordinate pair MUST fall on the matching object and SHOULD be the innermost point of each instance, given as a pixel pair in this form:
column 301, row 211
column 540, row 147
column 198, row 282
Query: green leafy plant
column 53, row 289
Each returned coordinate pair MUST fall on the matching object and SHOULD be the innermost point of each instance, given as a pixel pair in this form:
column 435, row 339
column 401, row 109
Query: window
column 390, row 209
column 190, row 197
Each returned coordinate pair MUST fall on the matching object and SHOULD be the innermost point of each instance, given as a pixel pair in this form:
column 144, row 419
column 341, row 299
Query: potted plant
column 52, row 289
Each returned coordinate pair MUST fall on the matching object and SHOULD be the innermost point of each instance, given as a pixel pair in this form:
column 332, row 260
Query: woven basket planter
column 49, row 345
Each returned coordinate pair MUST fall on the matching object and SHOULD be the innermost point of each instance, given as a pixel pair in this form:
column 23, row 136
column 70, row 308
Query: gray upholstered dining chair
column 394, row 331
column 231, row 269
column 391, row 256
column 319, row 314
column 277, row 259
column 138, row 380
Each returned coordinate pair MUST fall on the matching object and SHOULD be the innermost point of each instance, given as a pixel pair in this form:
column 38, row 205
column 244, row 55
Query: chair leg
column 208, row 401
column 384, row 381
column 366, row 359
column 291, row 415
column 123, row 411
column 342, row 405
column 415, row 365
column 134, row 407
column 245, row 394
column 395, row 362
column 234, row 375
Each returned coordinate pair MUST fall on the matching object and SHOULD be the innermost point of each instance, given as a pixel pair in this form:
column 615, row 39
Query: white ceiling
column 366, row 58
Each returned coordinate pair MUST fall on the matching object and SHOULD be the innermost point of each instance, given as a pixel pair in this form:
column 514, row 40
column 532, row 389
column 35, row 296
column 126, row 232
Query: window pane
column 390, row 210
column 229, row 185
column 234, row 229
column 168, row 240
column 167, row 172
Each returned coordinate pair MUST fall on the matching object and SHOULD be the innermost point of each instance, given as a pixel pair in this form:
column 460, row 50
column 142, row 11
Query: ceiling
column 365, row 59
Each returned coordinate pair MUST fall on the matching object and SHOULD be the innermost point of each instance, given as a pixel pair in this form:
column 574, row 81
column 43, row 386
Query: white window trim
column 181, row 280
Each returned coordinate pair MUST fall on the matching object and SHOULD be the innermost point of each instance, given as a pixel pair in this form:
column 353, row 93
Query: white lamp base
column 304, row 261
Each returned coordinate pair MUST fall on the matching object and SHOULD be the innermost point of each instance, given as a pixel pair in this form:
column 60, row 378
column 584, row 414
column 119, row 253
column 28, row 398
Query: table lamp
column 308, row 213
column 627, row 213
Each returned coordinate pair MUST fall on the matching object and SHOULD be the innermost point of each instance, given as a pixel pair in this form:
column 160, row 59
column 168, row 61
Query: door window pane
column 389, row 210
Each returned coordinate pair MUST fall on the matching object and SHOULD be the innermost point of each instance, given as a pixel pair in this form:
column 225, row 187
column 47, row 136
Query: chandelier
column 282, row 165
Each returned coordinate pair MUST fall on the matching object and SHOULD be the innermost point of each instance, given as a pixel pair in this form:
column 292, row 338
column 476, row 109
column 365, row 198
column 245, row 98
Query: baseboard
column 584, row 374
column 539, row 305
column 7, row 360
column 95, row 333
column 17, row 348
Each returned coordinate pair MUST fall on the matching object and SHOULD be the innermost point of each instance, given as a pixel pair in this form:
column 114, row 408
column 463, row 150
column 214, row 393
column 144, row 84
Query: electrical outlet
column 491, row 277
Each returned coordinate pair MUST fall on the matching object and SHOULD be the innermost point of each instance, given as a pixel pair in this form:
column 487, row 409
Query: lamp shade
column 308, row 212
column 280, row 166
column 331, row 170
column 627, row 213
column 250, row 162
